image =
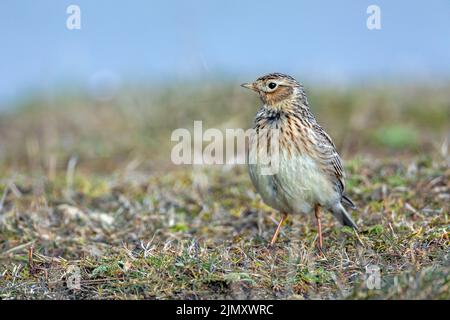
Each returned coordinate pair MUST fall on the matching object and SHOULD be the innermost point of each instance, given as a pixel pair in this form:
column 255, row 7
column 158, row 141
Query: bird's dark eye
column 272, row 85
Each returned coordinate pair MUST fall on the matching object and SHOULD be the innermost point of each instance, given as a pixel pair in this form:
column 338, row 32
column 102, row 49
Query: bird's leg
column 275, row 236
column 319, row 225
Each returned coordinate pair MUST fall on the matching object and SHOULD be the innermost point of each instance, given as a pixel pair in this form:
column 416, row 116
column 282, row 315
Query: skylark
column 310, row 175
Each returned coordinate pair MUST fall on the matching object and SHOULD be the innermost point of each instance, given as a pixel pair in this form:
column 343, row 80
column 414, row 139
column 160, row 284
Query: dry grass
column 87, row 184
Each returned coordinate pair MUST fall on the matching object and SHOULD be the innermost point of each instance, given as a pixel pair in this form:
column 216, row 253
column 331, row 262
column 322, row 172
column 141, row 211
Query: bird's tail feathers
column 343, row 217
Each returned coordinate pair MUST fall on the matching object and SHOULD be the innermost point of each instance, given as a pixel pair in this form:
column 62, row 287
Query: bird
column 308, row 173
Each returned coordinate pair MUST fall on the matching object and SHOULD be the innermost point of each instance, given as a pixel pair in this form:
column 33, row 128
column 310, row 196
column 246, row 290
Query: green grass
column 138, row 227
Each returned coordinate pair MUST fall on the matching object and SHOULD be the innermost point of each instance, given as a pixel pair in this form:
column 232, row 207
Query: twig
column 18, row 247
column 30, row 258
column 359, row 239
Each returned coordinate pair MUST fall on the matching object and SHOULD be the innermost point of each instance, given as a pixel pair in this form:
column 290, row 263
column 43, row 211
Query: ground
column 92, row 193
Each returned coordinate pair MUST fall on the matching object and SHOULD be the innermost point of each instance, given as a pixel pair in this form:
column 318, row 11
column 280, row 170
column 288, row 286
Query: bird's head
column 276, row 90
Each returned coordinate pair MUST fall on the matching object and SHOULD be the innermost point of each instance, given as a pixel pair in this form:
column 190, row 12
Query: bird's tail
column 343, row 217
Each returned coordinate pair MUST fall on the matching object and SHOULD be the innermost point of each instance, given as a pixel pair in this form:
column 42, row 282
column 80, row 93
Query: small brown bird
column 309, row 173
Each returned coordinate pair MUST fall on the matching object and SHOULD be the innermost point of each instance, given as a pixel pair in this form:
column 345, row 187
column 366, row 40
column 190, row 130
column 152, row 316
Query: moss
column 396, row 136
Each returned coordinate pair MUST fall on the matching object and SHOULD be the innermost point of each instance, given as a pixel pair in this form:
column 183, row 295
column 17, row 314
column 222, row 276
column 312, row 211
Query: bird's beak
column 250, row 86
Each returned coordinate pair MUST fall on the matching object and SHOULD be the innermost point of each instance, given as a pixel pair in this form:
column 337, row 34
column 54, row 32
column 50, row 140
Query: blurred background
column 110, row 93
column 86, row 177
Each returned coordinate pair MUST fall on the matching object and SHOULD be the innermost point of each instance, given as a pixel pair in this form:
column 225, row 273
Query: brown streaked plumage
column 309, row 175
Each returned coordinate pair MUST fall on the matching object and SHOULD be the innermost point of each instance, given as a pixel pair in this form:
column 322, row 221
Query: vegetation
column 89, row 183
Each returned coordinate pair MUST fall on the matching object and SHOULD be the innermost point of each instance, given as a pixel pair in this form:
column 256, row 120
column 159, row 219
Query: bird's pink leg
column 275, row 236
column 319, row 225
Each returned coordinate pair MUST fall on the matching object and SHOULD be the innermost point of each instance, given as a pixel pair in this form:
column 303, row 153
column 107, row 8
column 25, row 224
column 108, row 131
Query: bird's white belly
column 296, row 187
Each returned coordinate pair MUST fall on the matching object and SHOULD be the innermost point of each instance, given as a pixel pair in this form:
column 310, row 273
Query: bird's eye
column 272, row 85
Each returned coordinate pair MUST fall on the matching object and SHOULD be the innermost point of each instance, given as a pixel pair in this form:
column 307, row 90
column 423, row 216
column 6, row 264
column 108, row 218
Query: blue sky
column 176, row 39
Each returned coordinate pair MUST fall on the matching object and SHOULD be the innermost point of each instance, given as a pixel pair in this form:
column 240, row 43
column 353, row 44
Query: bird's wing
column 328, row 157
